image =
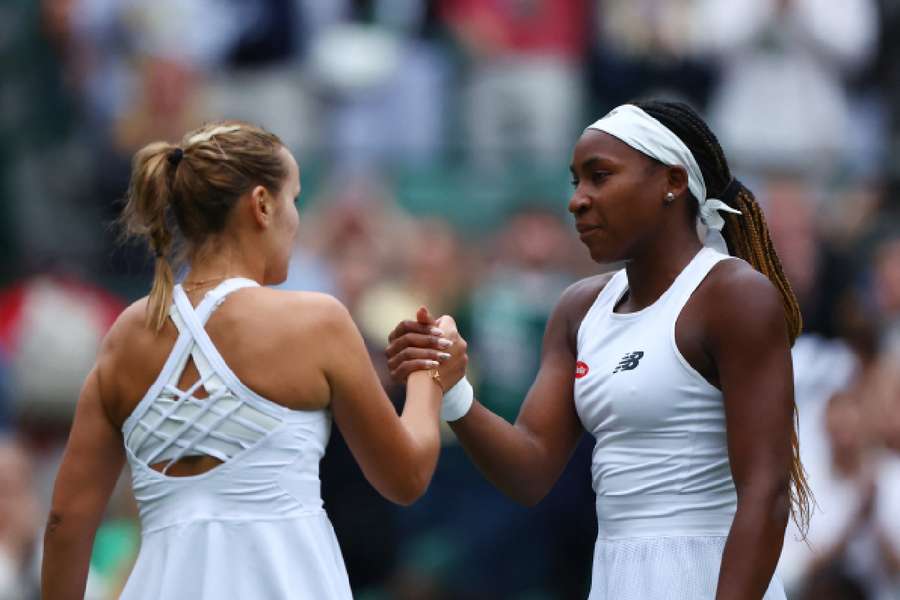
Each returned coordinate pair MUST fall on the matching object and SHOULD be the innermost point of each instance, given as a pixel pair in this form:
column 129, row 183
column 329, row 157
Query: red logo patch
column 581, row 369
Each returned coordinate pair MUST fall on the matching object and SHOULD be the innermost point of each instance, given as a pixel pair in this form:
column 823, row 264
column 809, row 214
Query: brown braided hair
column 747, row 237
column 189, row 189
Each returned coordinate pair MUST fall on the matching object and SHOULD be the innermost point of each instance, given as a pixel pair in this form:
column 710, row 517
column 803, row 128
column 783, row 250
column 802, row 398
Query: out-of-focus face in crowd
column 887, row 278
column 845, row 426
column 791, row 216
column 536, row 239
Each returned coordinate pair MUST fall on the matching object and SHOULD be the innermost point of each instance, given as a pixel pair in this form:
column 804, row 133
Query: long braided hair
column 748, row 238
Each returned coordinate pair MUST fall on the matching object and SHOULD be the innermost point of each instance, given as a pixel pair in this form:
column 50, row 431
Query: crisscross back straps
column 177, row 423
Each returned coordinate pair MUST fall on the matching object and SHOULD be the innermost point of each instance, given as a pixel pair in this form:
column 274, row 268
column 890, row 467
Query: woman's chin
column 602, row 255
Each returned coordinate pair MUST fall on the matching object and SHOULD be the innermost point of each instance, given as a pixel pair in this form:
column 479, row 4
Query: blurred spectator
column 887, row 74
column 831, row 583
column 523, row 97
column 855, row 528
column 359, row 232
column 52, row 328
column 793, row 208
column 385, row 78
column 262, row 79
column 782, row 101
column 20, row 522
column 646, row 48
column 511, row 305
column 886, row 291
column 5, row 395
column 429, row 273
column 37, row 123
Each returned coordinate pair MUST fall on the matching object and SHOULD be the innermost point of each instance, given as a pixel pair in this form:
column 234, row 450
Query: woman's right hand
column 417, row 345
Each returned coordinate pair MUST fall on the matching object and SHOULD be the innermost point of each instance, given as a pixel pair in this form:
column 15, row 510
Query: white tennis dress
column 252, row 527
column 665, row 495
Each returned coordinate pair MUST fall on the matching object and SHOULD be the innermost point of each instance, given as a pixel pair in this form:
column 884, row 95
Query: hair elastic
column 175, row 156
column 731, row 191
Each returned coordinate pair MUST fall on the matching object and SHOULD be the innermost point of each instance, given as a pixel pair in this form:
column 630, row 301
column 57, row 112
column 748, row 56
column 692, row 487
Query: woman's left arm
column 748, row 340
column 90, row 468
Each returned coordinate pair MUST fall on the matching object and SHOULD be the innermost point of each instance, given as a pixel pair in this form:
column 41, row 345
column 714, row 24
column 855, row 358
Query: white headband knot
column 647, row 135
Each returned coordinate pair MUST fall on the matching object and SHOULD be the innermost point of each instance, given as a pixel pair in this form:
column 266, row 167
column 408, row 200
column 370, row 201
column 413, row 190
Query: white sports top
column 660, row 463
column 251, row 528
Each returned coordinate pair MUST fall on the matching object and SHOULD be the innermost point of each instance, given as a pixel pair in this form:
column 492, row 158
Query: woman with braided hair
column 220, row 394
column 679, row 365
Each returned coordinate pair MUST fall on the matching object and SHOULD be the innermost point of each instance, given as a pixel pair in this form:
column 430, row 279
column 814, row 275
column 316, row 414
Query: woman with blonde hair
column 220, row 393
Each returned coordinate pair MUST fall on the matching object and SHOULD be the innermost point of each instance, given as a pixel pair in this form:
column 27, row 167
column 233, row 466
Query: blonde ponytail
column 146, row 215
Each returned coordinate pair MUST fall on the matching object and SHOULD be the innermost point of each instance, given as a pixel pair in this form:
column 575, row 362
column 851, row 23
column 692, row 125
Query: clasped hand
column 420, row 344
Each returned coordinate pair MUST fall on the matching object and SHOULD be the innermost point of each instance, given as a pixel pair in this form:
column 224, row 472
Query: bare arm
column 749, row 344
column 90, row 467
column 524, row 460
column 397, row 455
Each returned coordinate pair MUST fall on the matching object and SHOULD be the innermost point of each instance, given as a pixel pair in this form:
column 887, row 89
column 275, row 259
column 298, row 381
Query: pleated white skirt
column 661, row 568
column 279, row 559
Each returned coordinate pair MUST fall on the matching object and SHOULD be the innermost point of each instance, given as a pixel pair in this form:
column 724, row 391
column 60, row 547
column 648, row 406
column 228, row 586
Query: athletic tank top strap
column 691, row 277
column 192, row 320
column 211, row 301
column 214, row 298
column 604, row 303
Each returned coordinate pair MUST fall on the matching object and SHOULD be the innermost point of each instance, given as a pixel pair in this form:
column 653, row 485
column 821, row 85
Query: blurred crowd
column 433, row 138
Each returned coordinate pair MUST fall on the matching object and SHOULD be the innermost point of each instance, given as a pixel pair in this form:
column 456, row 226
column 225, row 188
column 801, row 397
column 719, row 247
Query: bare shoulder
column 737, row 299
column 573, row 305
column 297, row 313
column 123, row 353
column 129, row 328
column 578, row 298
column 317, row 307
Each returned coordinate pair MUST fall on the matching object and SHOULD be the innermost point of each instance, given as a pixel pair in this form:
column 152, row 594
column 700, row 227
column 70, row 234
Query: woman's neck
column 652, row 271
column 214, row 264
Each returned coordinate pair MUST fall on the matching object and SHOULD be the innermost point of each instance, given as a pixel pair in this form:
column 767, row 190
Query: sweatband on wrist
column 457, row 400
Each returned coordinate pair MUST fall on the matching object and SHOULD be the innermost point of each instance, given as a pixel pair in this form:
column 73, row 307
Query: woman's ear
column 261, row 206
column 677, row 180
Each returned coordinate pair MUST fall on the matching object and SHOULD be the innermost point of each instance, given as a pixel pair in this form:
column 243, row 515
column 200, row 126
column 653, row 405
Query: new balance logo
column 629, row 361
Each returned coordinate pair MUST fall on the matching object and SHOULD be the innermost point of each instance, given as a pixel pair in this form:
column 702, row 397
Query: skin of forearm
column 504, row 453
column 67, row 550
column 753, row 546
column 421, row 419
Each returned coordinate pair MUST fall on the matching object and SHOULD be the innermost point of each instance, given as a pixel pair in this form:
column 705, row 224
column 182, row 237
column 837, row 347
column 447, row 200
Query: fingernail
column 443, row 355
column 433, row 364
column 436, row 331
column 444, row 343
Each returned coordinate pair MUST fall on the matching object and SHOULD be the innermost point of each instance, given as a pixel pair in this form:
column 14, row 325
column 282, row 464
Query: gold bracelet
column 436, row 377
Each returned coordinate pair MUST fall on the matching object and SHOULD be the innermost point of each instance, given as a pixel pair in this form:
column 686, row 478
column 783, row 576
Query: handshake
column 429, row 344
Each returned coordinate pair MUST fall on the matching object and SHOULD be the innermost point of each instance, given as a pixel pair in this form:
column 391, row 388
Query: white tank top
column 660, row 463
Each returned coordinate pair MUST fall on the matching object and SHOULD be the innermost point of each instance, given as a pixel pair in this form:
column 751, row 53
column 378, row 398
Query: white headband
column 645, row 134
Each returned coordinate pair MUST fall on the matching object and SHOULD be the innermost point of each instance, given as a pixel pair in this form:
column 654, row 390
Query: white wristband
column 457, row 400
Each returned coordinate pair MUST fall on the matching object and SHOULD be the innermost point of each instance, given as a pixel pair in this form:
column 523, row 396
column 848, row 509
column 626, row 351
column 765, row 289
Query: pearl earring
column 670, row 198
